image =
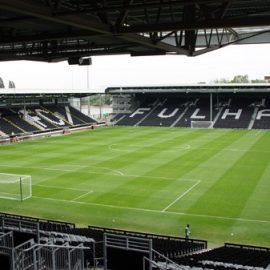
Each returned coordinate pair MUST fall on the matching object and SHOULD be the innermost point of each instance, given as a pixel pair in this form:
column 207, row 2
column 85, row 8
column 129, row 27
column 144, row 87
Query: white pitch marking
column 135, row 147
column 154, row 211
column 126, row 175
column 49, row 186
column 11, row 174
column 120, row 173
column 111, row 145
column 116, row 172
column 163, row 178
column 83, row 195
column 98, row 167
column 232, row 149
column 255, row 133
column 181, row 196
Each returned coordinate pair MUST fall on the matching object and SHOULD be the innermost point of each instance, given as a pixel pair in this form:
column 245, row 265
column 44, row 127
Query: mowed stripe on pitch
column 232, row 189
column 152, row 170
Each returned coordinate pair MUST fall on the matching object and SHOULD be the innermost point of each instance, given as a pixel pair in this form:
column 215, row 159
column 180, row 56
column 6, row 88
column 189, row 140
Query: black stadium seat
column 187, row 254
column 179, row 110
column 34, row 119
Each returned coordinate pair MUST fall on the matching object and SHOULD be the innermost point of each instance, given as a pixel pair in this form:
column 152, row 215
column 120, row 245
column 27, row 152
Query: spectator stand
column 24, row 246
column 115, row 249
column 227, row 106
column 34, row 119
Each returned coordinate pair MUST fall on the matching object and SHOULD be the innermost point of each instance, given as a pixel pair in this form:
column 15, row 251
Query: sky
column 106, row 71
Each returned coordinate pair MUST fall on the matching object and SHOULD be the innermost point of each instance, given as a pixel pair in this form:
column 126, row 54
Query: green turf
column 150, row 179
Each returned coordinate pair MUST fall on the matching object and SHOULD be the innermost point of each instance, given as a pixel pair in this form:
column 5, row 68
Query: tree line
column 240, row 79
column 97, row 100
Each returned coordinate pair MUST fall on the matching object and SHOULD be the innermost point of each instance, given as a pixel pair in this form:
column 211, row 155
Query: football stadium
column 177, row 177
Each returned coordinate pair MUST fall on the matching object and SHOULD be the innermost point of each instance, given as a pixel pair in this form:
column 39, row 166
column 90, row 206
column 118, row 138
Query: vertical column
column 53, row 259
column 87, row 77
column 211, row 107
column 150, row 253
column 105, row 251
column 21, row 191
column 24, row 108
column 100, row 104
column 89, row 108
column 81, row 104
column 35, row 261
column 69, row 259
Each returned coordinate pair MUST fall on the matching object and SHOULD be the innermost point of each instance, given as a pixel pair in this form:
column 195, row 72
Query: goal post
column 202, row 124
column 15, row 187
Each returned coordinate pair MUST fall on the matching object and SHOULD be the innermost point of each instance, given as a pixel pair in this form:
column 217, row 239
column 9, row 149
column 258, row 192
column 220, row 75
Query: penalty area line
column 58, row 187
column 181, row 196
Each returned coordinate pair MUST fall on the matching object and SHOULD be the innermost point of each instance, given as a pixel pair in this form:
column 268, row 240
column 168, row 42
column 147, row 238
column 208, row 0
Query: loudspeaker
column 73, row 60
column 80, row 61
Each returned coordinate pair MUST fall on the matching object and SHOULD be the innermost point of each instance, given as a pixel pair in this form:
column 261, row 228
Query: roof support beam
column 142, row 6
column 52, row 36
column 166, row 27
column 121, row 19
column 32, row 8
column 160, row 46
column 190, row 35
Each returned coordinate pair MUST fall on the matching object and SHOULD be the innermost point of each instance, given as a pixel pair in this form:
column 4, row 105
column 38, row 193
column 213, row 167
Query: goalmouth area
column 15, row 187
column 149, row 179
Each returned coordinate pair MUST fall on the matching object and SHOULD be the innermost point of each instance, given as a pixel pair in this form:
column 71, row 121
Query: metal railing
column 126, row 242
column 6, row 240
column 32, row 256
column 160, row 261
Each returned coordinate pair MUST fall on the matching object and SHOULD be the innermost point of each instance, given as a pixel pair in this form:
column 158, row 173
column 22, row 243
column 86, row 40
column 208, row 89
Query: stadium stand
column 179, row 110
column 35, row 119
column 169, row 246
column 263, row 109
column 49, row 118
column 236, row 113
column 44, row 224
column 29, row 240
column 147, row 106
column 78, row 115
column 196, row 110
column 8, row 128
column 64, row 113
column 167, row 113
column 116, row 118
column 15, row 118
column 24, row 244
column 230, row 256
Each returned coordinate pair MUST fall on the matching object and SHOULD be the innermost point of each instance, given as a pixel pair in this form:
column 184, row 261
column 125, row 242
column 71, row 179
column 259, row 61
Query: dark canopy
column 55, row 30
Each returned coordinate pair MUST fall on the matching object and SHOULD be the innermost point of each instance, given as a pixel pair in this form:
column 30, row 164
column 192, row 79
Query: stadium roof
column 193, row 88
column 184, row 88
column 55, row 30
column 41, row 93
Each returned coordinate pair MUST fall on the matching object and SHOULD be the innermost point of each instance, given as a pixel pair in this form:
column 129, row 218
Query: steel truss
column 54, row 30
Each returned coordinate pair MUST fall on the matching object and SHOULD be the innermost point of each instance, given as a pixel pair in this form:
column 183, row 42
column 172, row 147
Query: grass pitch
column 150, row 179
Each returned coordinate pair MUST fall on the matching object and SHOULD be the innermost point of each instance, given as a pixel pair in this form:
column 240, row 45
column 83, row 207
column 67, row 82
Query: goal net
column 202, row 124
column 15, row 187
